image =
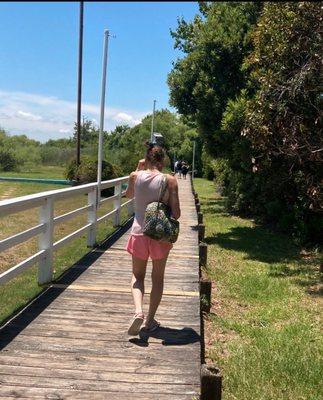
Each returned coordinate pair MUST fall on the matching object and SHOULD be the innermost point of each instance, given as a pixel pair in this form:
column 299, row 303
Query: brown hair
column 155, row 154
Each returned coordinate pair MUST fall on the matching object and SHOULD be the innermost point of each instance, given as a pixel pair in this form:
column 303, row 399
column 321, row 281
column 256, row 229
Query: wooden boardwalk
column 71, row 342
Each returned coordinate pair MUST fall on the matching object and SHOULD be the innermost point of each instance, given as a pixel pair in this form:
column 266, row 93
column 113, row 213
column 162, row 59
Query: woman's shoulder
column 172, row 181
column 134, row 175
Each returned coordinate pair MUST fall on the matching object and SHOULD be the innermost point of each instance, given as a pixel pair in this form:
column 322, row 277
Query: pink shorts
column 144, row 247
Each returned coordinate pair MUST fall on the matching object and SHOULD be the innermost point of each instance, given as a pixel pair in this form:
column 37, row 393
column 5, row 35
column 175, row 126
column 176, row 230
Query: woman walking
column 144, row 184
column 184, row 169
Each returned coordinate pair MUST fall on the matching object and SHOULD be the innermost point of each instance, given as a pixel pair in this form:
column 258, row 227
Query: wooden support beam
column 203, row 254
column 201, row 230
column 205, row 294
column 211, row 382
column 200, row 218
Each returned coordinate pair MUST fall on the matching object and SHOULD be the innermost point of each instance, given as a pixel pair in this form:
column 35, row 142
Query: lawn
column 20, row 290
column 42, row 172
column 264, row 327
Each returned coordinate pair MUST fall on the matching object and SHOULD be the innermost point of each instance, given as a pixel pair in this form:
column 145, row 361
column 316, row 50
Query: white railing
column 45, row 229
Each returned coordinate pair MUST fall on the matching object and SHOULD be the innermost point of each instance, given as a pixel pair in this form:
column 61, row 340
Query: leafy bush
column 86, row 172
column 8, row 160
column 55, row 155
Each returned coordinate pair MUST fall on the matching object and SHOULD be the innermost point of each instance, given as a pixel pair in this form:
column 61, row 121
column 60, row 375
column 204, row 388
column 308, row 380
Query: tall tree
column 210, row 74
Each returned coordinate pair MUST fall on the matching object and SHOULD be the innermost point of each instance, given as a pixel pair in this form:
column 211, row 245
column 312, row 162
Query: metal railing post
column 45, row 242
column 117, row 204
column 92, row 217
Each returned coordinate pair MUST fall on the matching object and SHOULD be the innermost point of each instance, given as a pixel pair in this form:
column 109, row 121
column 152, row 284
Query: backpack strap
column 163, row 187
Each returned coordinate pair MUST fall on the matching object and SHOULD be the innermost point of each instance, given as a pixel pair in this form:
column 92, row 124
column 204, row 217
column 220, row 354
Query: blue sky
column 38, row 65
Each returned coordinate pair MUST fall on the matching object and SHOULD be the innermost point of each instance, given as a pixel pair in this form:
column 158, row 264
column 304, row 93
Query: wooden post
column 200, row 218
column 92, row 217
column 211, row 382
column 203, row 254
column 205, row 294
column 201, row 229
column 117, row 204
column 45, row 242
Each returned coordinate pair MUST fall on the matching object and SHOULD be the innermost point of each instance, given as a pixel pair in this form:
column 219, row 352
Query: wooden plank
column 27, row 392
column 99, row 375
column 119, row 290
column 99, row 386
column 97, row 363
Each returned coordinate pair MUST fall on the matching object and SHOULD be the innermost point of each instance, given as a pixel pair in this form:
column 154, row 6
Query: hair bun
column 149, row 144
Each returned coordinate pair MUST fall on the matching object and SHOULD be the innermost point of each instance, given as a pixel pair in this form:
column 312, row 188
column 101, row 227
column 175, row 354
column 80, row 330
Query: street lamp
column 158, row 138
column 103, row 85
column 79, row 87
column 152, row 123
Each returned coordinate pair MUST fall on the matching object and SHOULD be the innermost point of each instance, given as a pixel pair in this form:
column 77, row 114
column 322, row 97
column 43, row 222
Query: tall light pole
column 193, row 164
column 79, row 88
column 103, row 85
column 174, row 160
column 152, row 123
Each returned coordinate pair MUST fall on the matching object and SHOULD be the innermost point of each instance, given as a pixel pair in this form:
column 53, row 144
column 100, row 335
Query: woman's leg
column 157, row 278
column 138, row 282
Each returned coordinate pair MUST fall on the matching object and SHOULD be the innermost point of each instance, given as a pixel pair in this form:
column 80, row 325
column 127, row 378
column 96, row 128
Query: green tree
column 89, row 133
column 210, row 74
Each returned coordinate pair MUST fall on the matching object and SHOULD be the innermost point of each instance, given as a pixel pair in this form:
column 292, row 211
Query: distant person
column 179, row 169
column 184, row 169
column 175, row 167
column 144, row 185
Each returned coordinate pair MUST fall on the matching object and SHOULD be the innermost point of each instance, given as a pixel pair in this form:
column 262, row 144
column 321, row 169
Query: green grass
column 264, row 328
column 42, row 172
column 17, row 292
column 17, row 189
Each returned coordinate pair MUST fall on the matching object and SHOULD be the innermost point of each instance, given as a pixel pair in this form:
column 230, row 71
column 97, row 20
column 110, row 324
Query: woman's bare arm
column 131, row 185
column 173, row 196
column 130, row 192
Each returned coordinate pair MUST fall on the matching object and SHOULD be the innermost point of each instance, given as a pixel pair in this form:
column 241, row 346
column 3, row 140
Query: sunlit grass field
column 264, row 326
column 17, row 292
column 41, row 172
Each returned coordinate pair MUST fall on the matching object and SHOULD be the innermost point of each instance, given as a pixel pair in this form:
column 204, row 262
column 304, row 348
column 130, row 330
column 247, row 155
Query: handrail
column 24, row 202
column 45, row 229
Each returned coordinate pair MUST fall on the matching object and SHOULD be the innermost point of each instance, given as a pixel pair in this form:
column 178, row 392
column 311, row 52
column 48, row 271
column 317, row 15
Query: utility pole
column 103, row 84
column 152, row 123
column 79, row 87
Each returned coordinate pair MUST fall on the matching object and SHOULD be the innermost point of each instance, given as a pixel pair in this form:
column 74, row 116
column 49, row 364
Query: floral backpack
column 159, row 224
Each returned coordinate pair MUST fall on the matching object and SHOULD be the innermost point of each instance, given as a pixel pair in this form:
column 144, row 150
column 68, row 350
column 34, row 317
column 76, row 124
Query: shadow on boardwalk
column 169, row 336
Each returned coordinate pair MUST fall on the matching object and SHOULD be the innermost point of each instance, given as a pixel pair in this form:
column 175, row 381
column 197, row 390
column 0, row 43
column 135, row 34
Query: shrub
column 8, row 160
column 86, row 172
column 54, row 155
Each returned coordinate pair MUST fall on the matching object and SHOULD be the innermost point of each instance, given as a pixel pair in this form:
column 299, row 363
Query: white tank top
column 147, row 187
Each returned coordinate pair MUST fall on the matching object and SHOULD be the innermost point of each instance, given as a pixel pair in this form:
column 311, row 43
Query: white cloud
column 47, row 117
column 125, row 118
column 28, row 116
